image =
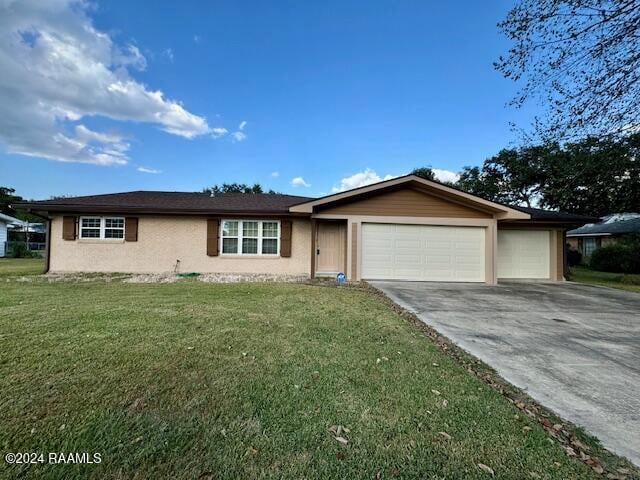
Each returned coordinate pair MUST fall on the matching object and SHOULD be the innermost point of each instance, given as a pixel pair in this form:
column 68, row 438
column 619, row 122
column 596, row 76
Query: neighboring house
column 590, row 237
column 406, row 228
column 28, row 227
column 6, row 221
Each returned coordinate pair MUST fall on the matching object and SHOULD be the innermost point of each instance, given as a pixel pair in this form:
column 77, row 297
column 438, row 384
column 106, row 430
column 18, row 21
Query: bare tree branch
column 581, row 59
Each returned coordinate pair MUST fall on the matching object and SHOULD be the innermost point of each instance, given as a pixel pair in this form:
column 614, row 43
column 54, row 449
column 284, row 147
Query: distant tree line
column 237, row 188
column 594, row 176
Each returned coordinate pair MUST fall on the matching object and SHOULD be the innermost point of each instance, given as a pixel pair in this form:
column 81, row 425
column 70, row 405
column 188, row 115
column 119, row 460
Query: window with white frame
column 102, row 228
column 250, row 237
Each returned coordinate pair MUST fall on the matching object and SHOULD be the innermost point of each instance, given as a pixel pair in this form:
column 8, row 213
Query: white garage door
column 523, row 253
column 420, row 252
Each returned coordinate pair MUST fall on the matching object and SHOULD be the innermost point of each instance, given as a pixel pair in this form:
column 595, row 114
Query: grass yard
column 20, row 266
column 194, row 380
column 630, row 282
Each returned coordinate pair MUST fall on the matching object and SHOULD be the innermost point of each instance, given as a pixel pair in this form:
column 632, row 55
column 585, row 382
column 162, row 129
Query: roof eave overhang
column 559, row 222
column 589, row 234
column 102, row 209
column 501, row 212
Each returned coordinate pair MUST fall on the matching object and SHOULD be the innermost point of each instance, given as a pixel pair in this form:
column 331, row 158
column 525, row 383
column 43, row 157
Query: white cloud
column 360, row 179
column 169, row 54
column 148, row 170
column 299, row 182
column 218, row 132
column 445, row 175
column 129, row 56
column 239, row 136
column 275, row 174
column 57, row 69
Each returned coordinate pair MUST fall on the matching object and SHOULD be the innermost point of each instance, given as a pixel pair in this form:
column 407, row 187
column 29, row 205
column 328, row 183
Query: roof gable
column 406, row 201
column 439, row 190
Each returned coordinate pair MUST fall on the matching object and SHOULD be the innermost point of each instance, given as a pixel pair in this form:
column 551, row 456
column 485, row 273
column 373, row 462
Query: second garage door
column 524, row 254
column 423, row 253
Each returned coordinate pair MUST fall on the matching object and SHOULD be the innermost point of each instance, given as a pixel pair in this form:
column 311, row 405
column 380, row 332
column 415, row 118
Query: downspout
column 313, row 247
column 47, row 251
column 565, row 265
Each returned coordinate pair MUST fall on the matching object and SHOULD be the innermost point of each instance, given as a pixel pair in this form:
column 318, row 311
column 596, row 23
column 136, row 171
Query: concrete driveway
column 574, row 348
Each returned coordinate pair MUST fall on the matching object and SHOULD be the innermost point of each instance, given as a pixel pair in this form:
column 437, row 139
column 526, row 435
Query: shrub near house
column 622, row 257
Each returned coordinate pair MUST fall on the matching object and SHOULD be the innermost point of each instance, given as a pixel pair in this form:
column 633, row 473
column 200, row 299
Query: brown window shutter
column 68, row 228
column 285, row 238
column 131, row 229
column 213, row 236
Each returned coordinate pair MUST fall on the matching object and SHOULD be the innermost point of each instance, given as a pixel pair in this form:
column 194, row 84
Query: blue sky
column 336, row 93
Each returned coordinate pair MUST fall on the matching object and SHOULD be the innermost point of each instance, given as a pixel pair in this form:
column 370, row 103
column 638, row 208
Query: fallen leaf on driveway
column 579, row 444
column 486, row 468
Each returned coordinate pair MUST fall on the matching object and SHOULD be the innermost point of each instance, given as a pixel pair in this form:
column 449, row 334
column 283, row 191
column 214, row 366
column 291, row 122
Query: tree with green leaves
column 7, row 198
column 594, row 176
column 236, row 188
column 582, row 59
column 424, row 172
column 513, row 176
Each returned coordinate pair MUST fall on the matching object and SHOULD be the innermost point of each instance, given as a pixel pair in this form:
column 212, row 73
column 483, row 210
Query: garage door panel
column 423, row 252
column 381, row 228
column 408, row 243
column 409, row 257
column 524, row 254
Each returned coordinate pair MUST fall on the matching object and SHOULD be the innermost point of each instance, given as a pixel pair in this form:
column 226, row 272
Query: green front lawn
column 20, row 266
column 622, row 281
column 193, row 380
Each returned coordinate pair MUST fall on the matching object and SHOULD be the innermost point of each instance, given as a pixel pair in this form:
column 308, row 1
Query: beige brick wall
column 164, row 239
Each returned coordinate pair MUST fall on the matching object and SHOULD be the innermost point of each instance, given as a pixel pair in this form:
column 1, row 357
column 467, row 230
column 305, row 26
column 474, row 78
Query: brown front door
column 330, row 247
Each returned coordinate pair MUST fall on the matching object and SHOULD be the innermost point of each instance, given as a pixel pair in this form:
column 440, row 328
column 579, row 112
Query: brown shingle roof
column 553, row 216
column 169, row 202
column 226, row 203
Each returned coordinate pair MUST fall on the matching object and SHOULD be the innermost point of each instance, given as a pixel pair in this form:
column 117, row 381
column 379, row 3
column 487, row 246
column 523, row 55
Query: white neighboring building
column 6, row 220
